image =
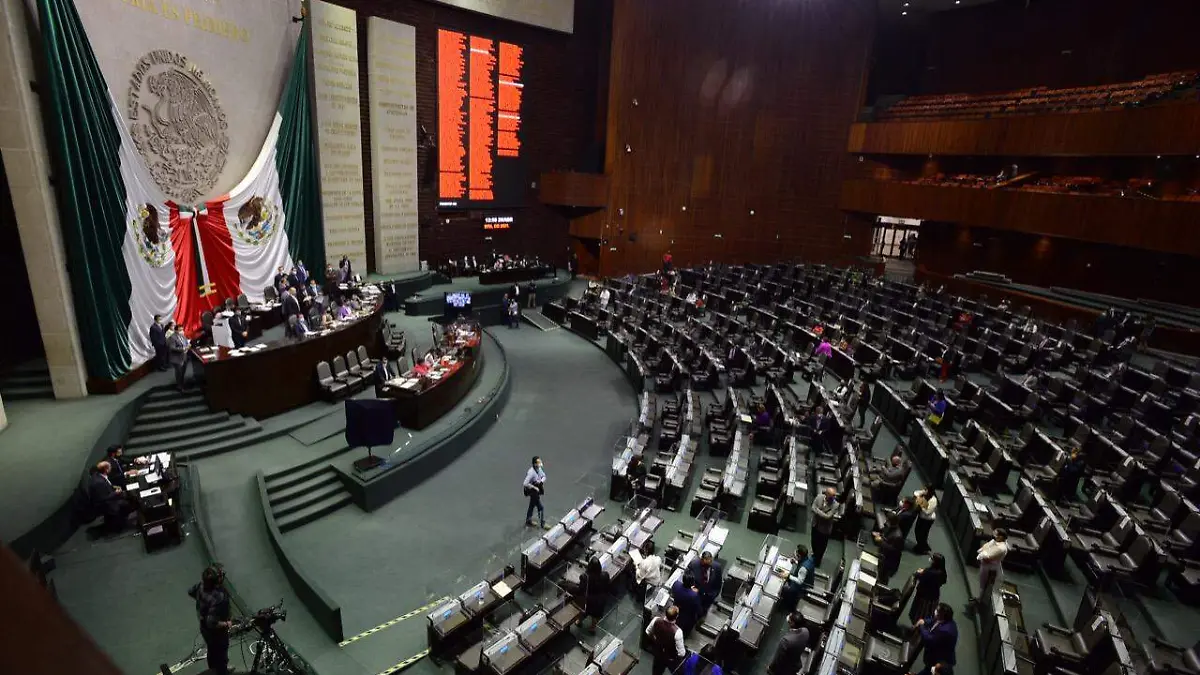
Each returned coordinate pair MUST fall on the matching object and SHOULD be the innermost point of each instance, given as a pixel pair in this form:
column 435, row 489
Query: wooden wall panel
column 740, row 105
column 1155, row 225
column 1159, row 130
column 949, row 249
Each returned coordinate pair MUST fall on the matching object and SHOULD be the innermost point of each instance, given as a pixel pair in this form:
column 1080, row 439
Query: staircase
column 303, row 493
column 30, row 380
column 169, row 421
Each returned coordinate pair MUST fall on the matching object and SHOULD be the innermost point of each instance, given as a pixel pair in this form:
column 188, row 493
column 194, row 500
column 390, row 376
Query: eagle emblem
column 152, row 239
column 257, row 222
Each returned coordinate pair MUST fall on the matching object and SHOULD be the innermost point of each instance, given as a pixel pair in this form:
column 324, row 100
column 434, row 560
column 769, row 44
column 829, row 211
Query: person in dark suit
column 289, row 306
column 939, row 636
column 280, row 278
column 301, row 273
column 158, row 340
column 686, row 596
column 179, row 346
column 791, row 648
column 891, row 547
column 107, row 498
column 708, row 579
column 119, row 469
column 383, row 373
column 239, row 328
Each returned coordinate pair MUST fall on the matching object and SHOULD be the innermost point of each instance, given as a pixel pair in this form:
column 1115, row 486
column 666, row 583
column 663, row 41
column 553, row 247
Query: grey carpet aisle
column 568, row 403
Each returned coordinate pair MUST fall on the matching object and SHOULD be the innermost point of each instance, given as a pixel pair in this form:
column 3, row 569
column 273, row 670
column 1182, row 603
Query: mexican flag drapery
column 133, row 253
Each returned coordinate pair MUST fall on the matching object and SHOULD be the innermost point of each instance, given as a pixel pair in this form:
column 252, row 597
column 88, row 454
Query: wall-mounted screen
column 457, row 303
column 480, row 94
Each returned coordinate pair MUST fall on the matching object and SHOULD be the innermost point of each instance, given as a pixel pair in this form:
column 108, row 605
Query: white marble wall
column 27, row 165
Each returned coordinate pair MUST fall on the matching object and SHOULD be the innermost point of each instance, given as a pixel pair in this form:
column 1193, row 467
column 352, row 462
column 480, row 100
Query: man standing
column 179, row 346
column 212, row 608
column 708, row 579
column 290, row 306
column 825, row 511
column 647, row 568
column 158, row 340
column 239, row 329
column 991, row 563
column 534, row 487
column 790, row 652
column 301, row 272
column 666, row 641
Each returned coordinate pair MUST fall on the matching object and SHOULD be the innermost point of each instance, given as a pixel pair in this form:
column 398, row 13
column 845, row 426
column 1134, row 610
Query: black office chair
column 270, row 294
column 243, row 302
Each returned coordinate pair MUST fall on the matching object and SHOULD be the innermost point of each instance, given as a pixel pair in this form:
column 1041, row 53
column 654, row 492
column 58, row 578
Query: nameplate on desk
column 150, row 493
column 152, row 478
column 131, row 487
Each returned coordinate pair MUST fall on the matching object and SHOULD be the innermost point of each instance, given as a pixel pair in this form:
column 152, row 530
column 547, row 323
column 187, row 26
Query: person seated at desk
column 300, row 327
column 120, row 469
column 705, row 662
column 317, row 318
column 797, row 581
column 356, row 302
column 107, row 499
column 824, row 349
column 342, row 312
column 707, row 573
column 686, row 598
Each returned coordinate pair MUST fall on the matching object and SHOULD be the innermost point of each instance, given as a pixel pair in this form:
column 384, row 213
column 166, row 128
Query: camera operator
column 212, row 607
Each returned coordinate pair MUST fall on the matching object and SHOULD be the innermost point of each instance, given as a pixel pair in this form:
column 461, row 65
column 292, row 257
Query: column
column 27, row 165
column 3, row 417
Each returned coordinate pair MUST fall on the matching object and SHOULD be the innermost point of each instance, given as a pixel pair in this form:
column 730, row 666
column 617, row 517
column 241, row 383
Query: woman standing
column 928, row 592
column 926, row 501
column 534, row 487
column 594, row 586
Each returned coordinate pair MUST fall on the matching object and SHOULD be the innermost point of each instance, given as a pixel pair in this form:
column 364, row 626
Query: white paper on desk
column 131, row 487
column 501, row 589
column 717, row 535
column 150, row 493
column 151, row 478
column 409, row 384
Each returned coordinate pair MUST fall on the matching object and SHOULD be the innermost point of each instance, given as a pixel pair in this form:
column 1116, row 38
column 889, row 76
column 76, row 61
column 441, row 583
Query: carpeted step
column 139, row 430
column 285, row 478
column 307, row 499
column 26, row 392
column 314, row 510
column 26, row 378
column 246, row 430
column 221, row 447
column 172, row 403
column 311, row 483
column 172, row 394
column 186, row 431
column 174, row 414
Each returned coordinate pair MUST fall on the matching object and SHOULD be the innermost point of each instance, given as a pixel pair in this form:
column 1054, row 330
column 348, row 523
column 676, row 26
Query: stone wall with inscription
column 235, row 57
column 339, row 131
column 392, row 87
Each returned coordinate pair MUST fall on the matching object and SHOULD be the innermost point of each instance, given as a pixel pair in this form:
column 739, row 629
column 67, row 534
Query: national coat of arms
column 258, row 220
column 153, row 240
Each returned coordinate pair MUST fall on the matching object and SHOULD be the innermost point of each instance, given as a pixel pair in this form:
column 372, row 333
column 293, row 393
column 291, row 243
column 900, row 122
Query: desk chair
column 331, row 388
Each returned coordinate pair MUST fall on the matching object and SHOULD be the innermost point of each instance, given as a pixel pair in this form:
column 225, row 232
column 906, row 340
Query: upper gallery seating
column 1142, row 188
column 1040, row 100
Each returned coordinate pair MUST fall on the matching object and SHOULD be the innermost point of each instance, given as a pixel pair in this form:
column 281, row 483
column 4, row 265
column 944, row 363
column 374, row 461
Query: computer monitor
column 457, row 303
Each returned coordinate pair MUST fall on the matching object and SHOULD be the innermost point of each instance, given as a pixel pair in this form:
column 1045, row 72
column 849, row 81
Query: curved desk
column 419, row 409
column 282, row 377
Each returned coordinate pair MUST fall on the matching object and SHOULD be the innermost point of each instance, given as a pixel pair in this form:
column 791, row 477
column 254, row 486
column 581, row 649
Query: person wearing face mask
column 158, row 340
column 534, row 487
column 928, row 591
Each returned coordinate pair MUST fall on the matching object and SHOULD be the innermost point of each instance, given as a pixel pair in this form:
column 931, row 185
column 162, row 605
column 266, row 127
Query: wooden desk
column 283, row 377
column 419, row 409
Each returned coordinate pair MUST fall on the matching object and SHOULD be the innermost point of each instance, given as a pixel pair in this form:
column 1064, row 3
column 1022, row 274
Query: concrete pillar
column 3, row 417
column 27, row 165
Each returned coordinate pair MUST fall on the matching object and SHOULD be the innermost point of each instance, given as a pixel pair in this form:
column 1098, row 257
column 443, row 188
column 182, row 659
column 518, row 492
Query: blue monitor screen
column 458, row 303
